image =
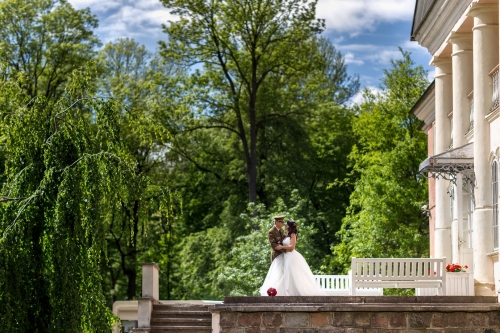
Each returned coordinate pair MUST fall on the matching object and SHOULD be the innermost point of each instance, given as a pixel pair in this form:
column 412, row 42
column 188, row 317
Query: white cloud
column 369, row 53
column 384, row 55
column 96, row 5
column 354, row 16
column 127, row 18
column 431, row 75
column 350, row 58
column 358, row 98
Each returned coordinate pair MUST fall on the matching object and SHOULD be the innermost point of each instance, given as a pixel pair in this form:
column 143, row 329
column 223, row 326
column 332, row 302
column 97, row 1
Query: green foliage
column 262, row 118
column 244, row 47
column 43, row 42
column 139, row 80
column 251, row 253
column 62, row 173
column 384, row 218
column 218, row 263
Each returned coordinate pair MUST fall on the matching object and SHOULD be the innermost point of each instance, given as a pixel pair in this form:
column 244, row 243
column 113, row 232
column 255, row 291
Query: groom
column 275, row 236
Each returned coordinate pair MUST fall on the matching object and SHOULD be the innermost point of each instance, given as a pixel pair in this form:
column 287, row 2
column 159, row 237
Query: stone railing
column 470, row 96
column 495, row 98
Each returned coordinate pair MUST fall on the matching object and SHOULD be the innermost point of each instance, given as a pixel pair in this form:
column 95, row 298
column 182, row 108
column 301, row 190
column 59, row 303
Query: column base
column 484, row 289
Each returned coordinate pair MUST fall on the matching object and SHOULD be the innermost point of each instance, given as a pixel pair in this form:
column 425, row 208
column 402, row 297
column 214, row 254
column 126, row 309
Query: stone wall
column 360, row 322
column 353, row 314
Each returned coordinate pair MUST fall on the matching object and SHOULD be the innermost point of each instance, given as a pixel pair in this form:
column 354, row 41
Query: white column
column 443, row 104
column 461, row 58
column 485, row 53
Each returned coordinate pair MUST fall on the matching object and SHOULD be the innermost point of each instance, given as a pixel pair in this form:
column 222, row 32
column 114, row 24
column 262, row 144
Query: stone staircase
column 181, row 318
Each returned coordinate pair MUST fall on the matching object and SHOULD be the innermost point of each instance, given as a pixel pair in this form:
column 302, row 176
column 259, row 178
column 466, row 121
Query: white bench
column 339, row 285
column 398, row 273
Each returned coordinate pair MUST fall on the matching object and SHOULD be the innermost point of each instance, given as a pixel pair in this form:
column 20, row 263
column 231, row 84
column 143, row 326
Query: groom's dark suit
column 275, row 237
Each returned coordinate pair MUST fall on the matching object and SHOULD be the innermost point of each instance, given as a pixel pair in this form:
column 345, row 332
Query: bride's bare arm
column 293, row 241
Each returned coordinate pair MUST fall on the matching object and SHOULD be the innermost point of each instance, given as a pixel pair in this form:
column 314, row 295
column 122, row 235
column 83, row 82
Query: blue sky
column 367, row 32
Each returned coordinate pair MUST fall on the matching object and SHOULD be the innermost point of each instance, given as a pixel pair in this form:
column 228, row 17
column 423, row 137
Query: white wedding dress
column 290, row 275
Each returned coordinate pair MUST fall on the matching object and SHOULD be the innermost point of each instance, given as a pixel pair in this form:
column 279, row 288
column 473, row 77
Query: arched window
column 494, row 188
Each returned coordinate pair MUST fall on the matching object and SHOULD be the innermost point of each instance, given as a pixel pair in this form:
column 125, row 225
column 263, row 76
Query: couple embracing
column 289, row 273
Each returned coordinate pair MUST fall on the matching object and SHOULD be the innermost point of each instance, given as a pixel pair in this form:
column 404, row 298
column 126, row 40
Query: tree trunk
column 252, row 167
column 131, row 287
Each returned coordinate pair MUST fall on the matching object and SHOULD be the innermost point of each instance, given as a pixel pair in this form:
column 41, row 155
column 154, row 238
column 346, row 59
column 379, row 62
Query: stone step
column 181, row 314
column 182, row 318
column 188, row 307
column 181, row 321
column 182, row 329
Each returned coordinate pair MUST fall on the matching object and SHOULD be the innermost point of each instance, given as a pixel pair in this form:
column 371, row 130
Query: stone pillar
column 462, row 64
column 485, row 53
column 150, row 296
column 150, row 282
column 444, row 105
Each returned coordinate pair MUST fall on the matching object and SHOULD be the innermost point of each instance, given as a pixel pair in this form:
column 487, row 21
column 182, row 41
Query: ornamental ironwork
column 496, row 90
column 451, row 163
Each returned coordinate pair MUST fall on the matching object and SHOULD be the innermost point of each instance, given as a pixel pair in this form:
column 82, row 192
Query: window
column 494, row 188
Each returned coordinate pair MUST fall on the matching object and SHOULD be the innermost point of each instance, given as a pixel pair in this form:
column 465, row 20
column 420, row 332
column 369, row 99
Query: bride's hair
column 292, row 228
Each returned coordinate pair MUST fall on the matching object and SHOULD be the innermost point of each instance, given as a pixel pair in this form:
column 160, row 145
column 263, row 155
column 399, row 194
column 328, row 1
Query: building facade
column 460, row 110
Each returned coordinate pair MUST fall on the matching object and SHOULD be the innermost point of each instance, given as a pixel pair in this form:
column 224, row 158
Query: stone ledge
column 361, row 299
column 349, row 307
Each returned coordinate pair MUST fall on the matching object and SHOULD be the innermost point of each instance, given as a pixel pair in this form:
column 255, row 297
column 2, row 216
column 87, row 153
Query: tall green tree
column 43, row 42
column 241, row 45
column 384, row 217
column 62, row 174
column 141, row 83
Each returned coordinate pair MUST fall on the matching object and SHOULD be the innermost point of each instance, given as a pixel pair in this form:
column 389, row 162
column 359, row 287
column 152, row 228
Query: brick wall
column 360, row 322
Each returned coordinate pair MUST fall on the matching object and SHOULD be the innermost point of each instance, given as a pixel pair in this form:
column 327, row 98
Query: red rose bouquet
column 272, row 292
column 456, row 268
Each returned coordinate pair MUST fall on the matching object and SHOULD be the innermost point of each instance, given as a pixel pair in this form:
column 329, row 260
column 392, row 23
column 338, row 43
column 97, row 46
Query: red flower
column 456, row 268
column 272, row 292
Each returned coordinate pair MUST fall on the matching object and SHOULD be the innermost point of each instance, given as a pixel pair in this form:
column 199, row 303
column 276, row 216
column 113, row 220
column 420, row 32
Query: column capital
column 458, row 37
column 443, row 66
column 461, row 43
column 485, row 14
column 439, row 61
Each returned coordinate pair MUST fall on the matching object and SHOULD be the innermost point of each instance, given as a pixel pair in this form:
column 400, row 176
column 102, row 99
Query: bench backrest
column 398, row 269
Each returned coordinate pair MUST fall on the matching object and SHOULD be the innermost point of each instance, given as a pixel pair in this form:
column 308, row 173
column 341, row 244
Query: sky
column 367, row 32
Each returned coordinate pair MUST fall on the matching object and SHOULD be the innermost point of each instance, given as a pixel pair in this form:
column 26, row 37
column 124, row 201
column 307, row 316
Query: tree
column 63, row 172
column 305, row 150
column 138, row 81
column 384, row 217
column 43, row 42
column 241, row 44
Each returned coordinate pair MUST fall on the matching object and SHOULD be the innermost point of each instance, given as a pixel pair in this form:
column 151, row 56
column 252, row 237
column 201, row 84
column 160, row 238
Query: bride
column 289, row 273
